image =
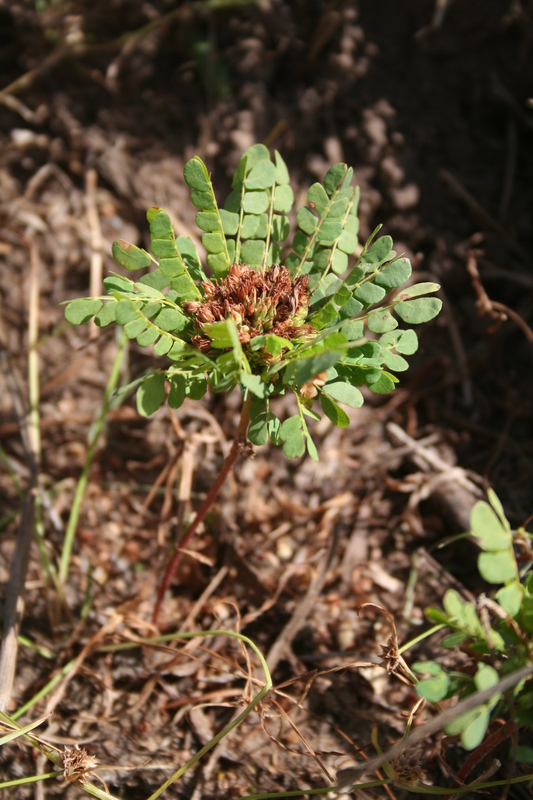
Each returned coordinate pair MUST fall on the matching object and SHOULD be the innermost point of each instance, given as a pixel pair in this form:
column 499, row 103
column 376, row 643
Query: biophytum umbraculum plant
column 310, row 323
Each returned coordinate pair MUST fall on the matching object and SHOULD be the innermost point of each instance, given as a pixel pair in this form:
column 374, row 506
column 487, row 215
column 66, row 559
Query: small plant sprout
column 495, row 631
column 318, row 320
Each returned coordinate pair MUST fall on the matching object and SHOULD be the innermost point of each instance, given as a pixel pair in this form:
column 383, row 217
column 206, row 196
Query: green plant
column 307, row 324
column 496, row 632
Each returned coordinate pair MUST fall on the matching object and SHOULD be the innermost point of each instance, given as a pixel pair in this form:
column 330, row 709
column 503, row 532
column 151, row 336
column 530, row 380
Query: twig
column 483, row 216
column 231, row 458
column 79, row 50
column 424, row 457
column 34, row 431
column 30, row 434
column 498, row 311
column 204, row 597
column 14, row 601
column 95, row 286
column 510, row 169
column 457, row 344
column 110, row 626
column 346, row 777
column 486, row 747
column 441, row 7
column 14, row 104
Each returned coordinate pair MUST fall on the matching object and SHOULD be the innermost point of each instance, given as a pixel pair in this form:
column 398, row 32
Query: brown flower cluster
column 258, row 300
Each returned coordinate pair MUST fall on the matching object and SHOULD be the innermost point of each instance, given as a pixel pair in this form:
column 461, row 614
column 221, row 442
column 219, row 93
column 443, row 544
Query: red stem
column 490, row 743
column 204, row 508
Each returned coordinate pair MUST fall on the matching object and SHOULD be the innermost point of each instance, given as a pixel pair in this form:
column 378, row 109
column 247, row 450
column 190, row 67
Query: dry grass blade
column 31, row 438
column 17, row 732
column 295, row 728
column 95, row 229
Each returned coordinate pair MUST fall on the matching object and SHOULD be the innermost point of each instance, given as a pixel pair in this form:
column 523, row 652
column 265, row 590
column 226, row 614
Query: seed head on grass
column 78, row 764
column 406, row 768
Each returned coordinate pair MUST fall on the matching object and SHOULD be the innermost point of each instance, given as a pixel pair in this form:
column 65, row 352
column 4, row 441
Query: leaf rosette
column 321, row 322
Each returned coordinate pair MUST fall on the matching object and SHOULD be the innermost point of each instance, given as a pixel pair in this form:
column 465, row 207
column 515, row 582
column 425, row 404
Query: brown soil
column 438, row 124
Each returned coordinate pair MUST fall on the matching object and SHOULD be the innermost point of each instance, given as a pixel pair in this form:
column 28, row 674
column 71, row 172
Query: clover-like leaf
column 487, row 527
column 510, row 598
column 497, row 567
column 435, row 688
column 294, row 445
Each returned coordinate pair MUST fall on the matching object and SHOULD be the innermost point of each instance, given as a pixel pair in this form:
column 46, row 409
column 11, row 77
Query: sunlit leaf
column 334, row 412
column 129, row 256
column 487, row 527
column 344, row 393
column 294, row 446
column 497, row 567
column 80, row 311
column 416, row 311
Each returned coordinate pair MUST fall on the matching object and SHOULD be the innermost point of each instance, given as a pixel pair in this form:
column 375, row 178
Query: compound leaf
column 196, row 175
column 126, row 311
column 106, row 315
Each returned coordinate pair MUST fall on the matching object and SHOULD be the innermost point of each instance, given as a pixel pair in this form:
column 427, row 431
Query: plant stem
column 206, row 505
column 84, row 477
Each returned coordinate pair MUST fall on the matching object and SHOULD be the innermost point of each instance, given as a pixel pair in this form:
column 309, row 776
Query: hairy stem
column 206, row 505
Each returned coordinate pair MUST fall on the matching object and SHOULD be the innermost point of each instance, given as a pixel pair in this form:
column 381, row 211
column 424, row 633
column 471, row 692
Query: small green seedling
column 497, row 632
column 313, row 323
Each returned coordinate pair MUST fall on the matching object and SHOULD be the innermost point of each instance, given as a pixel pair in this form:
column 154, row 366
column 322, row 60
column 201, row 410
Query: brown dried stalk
column 236, row 450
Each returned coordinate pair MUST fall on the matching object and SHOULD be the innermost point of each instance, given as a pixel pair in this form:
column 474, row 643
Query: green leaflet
column 334, row 412
column 129, row 256
column 417, row 311
column 80, row 311
column 343, row 392
column 151, row 394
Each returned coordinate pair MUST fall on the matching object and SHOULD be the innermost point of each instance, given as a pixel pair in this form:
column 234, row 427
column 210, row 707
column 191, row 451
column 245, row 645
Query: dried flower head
column 310, row 389
column 77, row 764
column 406, row 768
column 259, row 301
